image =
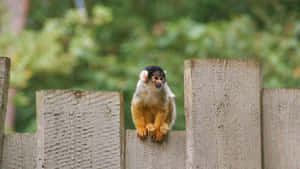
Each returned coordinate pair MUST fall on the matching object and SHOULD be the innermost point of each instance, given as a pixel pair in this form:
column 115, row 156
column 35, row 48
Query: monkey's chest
column 152, row 99
column 153, row 109
column 153, row 103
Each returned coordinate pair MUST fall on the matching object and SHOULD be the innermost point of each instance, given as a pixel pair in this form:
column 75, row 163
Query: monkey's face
column 153, row 76
column 157, row 79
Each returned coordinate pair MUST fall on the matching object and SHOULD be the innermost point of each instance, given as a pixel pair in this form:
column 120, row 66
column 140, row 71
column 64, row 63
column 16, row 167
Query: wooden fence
column 231, row 123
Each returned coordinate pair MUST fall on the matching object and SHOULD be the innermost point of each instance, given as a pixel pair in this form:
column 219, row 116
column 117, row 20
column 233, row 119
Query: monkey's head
column 153, row 75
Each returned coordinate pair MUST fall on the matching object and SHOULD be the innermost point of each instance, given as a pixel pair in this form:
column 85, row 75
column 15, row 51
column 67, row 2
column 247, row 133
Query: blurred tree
column 16, row 12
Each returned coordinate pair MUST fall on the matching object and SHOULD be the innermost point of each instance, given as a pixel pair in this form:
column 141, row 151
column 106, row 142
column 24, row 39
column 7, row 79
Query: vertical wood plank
column 222, row 104
column 19, row 151
column 4, row 81
column 281, row 128
column 80, row 129
column 170, row 154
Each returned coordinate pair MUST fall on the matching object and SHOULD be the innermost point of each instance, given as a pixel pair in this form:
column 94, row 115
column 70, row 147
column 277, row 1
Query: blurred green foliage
column 105, row 48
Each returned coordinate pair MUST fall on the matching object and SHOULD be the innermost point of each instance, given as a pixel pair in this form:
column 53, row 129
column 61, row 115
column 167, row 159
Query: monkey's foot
column 158, row 136
column 150, row 129
column 164, row 128
column 141, row 132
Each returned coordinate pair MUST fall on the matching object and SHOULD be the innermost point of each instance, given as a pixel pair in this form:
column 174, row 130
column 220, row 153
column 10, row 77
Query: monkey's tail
column 173, row 112
column 172, row 106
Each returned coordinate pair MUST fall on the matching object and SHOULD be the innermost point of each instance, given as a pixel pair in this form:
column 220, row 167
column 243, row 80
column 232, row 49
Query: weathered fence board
column 80, row 129
column 281, row 128
column 19, row 151
column 170, row 154
column 4, row 81
column 222, row 104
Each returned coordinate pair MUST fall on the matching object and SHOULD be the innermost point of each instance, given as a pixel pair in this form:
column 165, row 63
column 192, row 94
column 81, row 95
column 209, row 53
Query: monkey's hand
column 160, row 132
column 164, row 128
column 141, row 132
column 150, row 129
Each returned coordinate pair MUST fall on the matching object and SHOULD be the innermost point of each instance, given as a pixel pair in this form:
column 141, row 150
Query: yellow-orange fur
column 152, row 119
column 153, row 110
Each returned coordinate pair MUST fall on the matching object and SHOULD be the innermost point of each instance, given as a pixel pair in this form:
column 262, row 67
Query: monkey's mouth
column 157, row 85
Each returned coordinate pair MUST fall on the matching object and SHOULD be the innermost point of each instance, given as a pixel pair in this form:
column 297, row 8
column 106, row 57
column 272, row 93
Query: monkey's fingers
column 158, row 136
column 142, row 133
column 151, row 130
column 164, row 128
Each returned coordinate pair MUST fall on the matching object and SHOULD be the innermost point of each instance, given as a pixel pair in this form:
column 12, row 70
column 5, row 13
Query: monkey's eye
column 161, row 78
column 156, row 78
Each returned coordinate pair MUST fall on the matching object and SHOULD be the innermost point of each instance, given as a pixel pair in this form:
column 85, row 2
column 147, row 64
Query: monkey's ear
column 144, row 75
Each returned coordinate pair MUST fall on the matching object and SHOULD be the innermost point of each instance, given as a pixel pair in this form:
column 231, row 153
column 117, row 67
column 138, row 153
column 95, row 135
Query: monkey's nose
column 157, row 85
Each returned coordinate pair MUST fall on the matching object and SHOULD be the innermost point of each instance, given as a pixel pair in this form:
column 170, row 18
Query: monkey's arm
column 139, row 119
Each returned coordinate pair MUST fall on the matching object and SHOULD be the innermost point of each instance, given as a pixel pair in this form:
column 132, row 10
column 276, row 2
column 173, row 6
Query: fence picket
column 281, row 128
column 222, row 104
column 170, row 154
column 19, row 151
column 4, row 81
column 79, row 129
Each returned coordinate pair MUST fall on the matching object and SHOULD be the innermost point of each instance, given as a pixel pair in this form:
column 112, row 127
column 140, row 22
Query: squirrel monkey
column 153, row 104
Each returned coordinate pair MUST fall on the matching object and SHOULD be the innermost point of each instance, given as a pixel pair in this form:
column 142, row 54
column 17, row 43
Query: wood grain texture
column 281, row 128
column 169, row 154
column 19, row 151
column 80, row 129
column 222, row 104
column 4, row 81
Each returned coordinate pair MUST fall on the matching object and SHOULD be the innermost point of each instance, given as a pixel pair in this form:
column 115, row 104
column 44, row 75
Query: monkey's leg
column 159, row 120
column 149, row 123
column 139, row 121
